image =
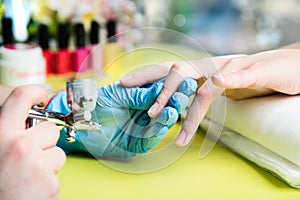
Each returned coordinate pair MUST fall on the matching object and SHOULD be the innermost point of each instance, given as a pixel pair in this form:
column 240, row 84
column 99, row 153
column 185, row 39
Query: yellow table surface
column 220, row 175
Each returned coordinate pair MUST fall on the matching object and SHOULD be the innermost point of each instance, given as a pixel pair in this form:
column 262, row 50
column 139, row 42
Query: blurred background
column 220, row 26
column 230, row 26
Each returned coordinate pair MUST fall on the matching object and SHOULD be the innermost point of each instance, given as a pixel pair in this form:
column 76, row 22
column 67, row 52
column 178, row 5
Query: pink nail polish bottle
column 81, row 53
column 96, row 49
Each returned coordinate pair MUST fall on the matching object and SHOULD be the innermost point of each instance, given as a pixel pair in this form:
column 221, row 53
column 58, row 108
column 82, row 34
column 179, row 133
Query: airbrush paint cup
column 82, row 95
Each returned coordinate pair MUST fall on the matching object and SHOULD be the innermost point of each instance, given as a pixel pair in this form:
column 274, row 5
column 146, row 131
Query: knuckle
column 167, row 63
column 163, row 98
column 234, row 61
column 61, row 155
column 165, row 67
column 166, row 92
column 177, row 67
column 54, row 186
column 181, row 70
column 20, row 91
column 39, row 166
column 203, row 92
column 28, row 91
column 20, row 148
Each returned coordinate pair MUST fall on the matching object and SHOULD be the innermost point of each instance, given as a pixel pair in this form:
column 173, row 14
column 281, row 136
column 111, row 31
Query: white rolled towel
column 265, row 130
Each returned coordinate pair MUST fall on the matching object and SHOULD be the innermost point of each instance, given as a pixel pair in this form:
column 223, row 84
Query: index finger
column 206, row 94
column 146, row 74
column 15, row 108
column 178, row 72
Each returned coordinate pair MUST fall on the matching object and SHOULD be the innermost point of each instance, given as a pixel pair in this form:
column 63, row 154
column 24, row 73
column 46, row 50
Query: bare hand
column 29, row 158
column 241, row 76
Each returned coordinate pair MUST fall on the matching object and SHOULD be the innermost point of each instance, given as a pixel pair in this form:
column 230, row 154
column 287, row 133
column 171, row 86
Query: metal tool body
column 81, row 98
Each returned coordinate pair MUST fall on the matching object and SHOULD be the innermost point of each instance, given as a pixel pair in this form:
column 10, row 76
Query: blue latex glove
column 126, row 128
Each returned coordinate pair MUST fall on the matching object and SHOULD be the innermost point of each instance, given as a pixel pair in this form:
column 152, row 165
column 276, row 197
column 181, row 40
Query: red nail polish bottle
column 43, row 40
column 63, row 57
column 81, row 53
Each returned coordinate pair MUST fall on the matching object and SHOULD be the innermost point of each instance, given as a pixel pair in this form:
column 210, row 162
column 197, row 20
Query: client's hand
column 126, row 129
column 242, row 77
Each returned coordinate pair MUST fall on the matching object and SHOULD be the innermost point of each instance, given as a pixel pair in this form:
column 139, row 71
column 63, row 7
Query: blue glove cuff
column 59, row 104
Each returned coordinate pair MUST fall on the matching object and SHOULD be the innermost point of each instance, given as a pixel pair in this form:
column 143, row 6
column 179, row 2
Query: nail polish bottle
column 81, row 53
column 22, row 64
column 63, row 56
column 96, row 49
column 112, row 50
column 7, row 33
column 43, row 40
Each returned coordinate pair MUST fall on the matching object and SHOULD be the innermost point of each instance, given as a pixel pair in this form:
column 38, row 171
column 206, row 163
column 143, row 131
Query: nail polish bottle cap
column 94, row 33
column 7, row 32
column 63, row 36
column 111, row 30
column 79, row 35
column 43, row 36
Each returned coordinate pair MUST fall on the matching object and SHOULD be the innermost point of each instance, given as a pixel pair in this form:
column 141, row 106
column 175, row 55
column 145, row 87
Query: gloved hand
column 126, row 128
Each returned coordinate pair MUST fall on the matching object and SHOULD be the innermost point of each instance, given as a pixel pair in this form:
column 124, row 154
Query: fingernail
column 219, row 78
column 203, row 91
column 154, row 110
column 181, row 138
column 188, row 139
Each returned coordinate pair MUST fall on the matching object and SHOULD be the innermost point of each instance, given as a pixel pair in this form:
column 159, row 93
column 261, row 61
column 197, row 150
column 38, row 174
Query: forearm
column 4, row 92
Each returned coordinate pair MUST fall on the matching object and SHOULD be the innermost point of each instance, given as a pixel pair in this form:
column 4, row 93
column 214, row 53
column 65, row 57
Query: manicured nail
column 218, row 79
column 154, row 110
column 181, row 138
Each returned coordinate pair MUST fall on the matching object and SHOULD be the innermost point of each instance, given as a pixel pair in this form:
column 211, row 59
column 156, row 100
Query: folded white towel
column 261, row 156
column 268, row 132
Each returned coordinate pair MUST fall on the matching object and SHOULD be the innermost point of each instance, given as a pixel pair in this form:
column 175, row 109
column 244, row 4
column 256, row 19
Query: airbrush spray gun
column 81, row 98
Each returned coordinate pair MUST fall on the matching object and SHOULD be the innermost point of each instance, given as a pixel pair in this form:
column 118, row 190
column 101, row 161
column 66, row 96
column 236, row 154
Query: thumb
column 134, row 97
column 242, row 79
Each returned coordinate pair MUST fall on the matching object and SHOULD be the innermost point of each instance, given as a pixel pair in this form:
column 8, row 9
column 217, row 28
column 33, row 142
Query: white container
column 22, row 64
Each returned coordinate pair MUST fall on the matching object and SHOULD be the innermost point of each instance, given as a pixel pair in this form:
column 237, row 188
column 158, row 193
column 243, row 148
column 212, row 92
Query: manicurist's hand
column 242, row 77
column 29, row 159
column 126, row 129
